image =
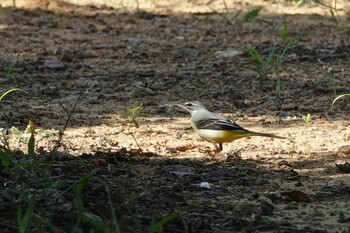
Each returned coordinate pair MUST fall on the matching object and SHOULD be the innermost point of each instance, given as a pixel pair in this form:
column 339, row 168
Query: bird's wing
column 218, row 124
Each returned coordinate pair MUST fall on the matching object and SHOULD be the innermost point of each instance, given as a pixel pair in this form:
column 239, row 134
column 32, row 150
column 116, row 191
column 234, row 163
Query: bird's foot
column 218, row 147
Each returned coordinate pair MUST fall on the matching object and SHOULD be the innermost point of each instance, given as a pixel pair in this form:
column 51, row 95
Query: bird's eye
column 188, row 104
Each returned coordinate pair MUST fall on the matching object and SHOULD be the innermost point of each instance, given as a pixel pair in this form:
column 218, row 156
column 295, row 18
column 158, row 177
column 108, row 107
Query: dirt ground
column 113, row 60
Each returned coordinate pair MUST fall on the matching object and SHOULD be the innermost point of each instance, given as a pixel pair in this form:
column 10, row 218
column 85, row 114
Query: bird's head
column 192, row 106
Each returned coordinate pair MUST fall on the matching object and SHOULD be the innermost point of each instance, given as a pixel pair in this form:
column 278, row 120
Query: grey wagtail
column 215, row 128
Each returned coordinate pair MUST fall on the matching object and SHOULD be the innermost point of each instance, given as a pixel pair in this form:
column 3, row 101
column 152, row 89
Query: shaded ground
column 117, row 60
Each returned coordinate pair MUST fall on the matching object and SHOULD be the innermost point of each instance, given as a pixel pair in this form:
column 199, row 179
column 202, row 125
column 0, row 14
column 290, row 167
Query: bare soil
column 114, row 60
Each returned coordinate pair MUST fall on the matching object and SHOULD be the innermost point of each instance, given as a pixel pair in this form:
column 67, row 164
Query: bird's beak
column 182, row 106
column 179, row 105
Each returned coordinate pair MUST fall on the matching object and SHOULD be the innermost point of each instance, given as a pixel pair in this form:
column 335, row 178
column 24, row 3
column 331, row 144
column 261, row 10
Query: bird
column 215, row 128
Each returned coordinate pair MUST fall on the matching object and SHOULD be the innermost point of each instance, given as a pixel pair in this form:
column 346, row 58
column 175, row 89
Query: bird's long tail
column 266, row 135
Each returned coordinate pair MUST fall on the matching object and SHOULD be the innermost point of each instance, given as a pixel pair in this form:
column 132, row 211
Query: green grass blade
column 255, row 55
column 5, row 159
column 6, row 156
column 293, row 40
column 285, row 31
column 251, row 15
column 135, row 110
column 11, row 90
column 112, row 210
column 76, row 229
column 268, row 22
column 270, row 56
column 159, row 225
column 25, row 221
column 31, row 146
column 78, row 201
column 135, row 123
column 47, row 223
column 64, row 109
column 10, row 67
column 96, row 221
column 339, row 97
column 334, row 18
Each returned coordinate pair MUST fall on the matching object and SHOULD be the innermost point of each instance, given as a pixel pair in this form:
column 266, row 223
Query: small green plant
column 7, row 154
column 342, row 29
column 236, row 19
column 340, row 214
column 32, row 177
column 29, row 172
column 27, row 137
column 307, row 118
column 275, row 57
column 84, row 216
column 133, row 114
column 261, row 65
column 297, row 2
column 69, row 113
column 278, row 60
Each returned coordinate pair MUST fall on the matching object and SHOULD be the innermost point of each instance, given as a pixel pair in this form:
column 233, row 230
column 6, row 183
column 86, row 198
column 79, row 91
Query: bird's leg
column 217, row 150
column 218, row 147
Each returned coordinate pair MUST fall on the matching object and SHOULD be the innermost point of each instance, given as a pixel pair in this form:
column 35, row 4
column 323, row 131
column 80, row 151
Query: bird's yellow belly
column 219, row 136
